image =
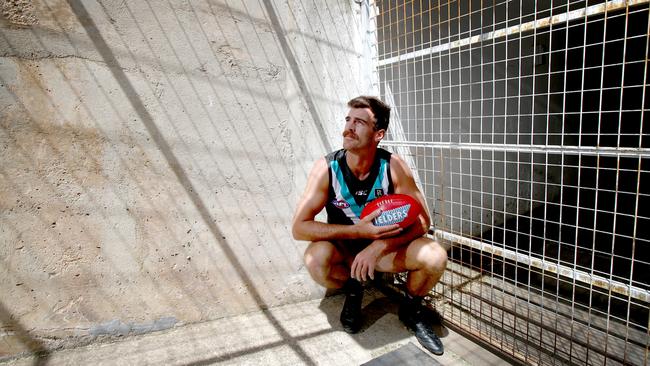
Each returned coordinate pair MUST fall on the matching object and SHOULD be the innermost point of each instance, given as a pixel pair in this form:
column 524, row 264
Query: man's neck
column 360, row 163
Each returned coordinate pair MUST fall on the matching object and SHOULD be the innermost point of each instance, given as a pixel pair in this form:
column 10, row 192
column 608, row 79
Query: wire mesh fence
column 525, row 123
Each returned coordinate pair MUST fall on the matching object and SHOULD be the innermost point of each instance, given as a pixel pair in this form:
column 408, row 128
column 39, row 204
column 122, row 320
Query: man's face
column 359, row 131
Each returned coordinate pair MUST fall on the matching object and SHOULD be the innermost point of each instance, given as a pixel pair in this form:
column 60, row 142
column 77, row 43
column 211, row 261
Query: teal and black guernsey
column 347, row 194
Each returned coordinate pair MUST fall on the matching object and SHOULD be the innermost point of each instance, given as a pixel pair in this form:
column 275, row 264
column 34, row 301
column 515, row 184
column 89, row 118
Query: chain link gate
column 524, row 121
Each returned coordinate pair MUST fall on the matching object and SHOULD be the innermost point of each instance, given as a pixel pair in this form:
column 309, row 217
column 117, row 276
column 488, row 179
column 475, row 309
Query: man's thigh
column 408, row 258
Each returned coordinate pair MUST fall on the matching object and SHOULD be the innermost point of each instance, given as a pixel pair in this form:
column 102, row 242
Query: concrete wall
column 151, row 155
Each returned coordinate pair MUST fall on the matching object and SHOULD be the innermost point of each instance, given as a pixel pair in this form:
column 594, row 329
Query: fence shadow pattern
column 167, row 122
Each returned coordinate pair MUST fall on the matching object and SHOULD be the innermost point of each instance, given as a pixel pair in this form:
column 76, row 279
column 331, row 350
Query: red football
column 395, row 209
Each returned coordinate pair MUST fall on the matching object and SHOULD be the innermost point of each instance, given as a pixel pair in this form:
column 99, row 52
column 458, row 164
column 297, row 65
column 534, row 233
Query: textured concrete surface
column 408, row 354
column 151, row 154
column 306, row 333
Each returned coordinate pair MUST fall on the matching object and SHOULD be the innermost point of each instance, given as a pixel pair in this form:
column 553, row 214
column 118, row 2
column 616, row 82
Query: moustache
column 349, row 134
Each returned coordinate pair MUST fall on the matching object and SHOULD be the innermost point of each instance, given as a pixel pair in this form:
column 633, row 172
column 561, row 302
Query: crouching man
column 346, row 249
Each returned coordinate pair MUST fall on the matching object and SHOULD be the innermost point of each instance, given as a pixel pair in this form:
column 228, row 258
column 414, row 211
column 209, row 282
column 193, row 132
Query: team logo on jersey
column 379, row 192
column 341, row 204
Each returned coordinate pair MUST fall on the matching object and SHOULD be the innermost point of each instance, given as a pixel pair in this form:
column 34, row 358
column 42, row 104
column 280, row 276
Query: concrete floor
column 307, row 333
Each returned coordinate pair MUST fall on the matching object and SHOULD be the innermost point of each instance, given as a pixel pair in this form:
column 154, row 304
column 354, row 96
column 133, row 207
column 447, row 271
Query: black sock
column 413, row 302
column 352, row 286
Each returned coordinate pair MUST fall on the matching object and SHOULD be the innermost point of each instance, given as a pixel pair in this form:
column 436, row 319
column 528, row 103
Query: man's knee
column 318, row 255
column 433, row 257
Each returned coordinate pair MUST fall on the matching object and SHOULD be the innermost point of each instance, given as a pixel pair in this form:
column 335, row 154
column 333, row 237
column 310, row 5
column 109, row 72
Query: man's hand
column 368, row 230
column 364, row 263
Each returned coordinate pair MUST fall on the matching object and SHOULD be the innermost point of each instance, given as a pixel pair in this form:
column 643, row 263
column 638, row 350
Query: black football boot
column 351, row 312
column 412, row 314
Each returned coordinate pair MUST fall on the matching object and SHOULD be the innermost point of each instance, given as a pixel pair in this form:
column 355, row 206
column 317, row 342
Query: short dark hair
column 380, row 109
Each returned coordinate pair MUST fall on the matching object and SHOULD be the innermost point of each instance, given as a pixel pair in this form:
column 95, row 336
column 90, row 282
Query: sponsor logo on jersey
column 379, row 192
column 341, row 204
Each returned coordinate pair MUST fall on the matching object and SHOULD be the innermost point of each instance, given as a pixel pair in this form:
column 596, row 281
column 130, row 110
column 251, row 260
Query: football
column 395, row 209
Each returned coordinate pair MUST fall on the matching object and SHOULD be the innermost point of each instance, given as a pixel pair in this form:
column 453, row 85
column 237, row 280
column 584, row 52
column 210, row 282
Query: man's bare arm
column 305, row 227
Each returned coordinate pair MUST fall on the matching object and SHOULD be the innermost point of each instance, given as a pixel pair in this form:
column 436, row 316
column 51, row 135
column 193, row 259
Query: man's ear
column 379, row 135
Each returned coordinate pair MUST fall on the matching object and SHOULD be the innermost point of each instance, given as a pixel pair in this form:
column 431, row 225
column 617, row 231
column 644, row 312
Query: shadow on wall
column 114, row 247
column 288, row 54
column 34, row 346
column 100, row 44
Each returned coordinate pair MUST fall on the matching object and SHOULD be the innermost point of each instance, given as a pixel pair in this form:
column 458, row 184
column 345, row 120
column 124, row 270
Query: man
column 346, row 249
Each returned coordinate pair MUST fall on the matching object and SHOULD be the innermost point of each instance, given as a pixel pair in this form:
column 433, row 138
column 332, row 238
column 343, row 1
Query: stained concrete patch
column 19, row 13
column 116, row 327
column 409, row 355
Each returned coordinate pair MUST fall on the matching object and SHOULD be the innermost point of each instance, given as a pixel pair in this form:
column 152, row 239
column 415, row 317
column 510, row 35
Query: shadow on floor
column 381, row 325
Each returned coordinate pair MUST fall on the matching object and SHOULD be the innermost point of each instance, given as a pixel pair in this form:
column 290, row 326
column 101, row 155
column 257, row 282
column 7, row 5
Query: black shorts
column 350, row 248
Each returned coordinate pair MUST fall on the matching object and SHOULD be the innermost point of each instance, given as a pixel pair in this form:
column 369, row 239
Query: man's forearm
column 407, row 236
column 316, row 230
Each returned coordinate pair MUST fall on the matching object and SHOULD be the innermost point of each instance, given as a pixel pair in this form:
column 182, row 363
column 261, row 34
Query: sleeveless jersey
column 347, row 195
